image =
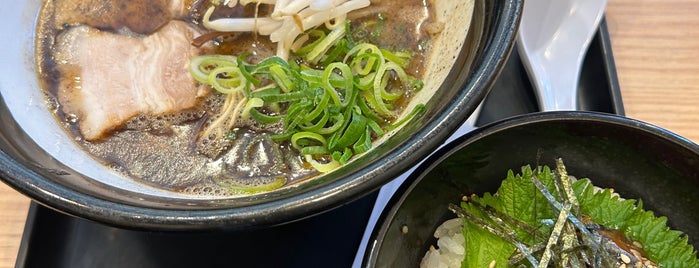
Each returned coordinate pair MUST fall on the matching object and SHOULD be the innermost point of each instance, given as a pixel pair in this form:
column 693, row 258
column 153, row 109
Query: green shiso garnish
column 519, row 226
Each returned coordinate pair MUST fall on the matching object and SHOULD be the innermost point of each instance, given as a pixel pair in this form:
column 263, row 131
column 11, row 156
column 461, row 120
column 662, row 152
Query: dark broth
column 161, row 150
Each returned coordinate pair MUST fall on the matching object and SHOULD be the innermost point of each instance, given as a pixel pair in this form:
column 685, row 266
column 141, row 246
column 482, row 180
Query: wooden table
column 656, row 49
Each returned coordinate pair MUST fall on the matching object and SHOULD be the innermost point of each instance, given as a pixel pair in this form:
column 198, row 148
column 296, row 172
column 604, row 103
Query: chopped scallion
column 331, row 101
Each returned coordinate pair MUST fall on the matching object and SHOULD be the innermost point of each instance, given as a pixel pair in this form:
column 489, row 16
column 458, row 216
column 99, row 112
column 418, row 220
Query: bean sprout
column 289, row 19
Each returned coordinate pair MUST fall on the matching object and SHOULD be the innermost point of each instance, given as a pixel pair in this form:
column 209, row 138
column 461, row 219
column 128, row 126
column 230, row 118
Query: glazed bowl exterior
column 636, row 159
column 29, row 169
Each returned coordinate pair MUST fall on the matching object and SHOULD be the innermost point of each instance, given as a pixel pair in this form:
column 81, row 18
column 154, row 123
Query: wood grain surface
column 656, row 49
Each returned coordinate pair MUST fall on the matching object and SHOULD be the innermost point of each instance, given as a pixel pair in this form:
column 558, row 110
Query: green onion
column 339, row 121
column 320, row 107
column 351, row 134
column 263, row 118
column 331, row 106
column 319, row 35
column 298, row 138
column 402, row 76
column 366, row 82
column 314, row 150
column 364, row 143
column 201, row 66
column 316, row 127
column 294, row 117
column 313, row 76
column 348, row 36
column 365, row 62
column 283, row 137
column 270, row 97
column 416, row 112
column 279, row 74
column 246, row 73
column 346, row 155
column 366, row 111
column 339, row 49
column 400, row 58
column 250, row 190
column 348, row 85
column 226, row 80
column 324, row 45
column 263, row 93
column 252, row 103
column 366, row 57
column 379, row 26
column 322, row 167
column 375, row 127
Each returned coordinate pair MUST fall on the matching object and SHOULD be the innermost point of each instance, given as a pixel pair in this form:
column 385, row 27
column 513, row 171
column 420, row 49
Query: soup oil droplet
column 254, row 47
column 71, row 118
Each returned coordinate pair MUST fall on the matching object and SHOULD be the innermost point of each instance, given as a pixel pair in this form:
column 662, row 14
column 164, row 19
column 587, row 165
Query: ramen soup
column 220, row 98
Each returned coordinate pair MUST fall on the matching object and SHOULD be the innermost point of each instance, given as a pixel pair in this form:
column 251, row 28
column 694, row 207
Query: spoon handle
column 553, row 40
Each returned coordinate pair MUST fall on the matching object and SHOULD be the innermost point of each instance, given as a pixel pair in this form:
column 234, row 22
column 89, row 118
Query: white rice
column 450, row 246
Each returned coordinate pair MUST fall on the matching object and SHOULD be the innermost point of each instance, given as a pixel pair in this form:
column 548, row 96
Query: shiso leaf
column 518, row 197
column 603, row 207
column 668, row 248
column 482, row 247
column 521, row 200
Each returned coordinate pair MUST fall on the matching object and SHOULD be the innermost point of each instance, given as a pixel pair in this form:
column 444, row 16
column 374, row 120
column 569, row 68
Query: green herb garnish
column 333, row 98
column 542, row 218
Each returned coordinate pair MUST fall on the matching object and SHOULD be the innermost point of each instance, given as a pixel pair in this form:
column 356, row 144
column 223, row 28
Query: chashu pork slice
column 108, row 78
column 139, row 16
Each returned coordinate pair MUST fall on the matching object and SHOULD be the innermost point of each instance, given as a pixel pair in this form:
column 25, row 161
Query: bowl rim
column 331, row 195
column 383, row 222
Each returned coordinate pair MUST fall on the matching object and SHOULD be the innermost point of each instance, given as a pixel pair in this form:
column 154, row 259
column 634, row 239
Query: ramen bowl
column 38, row 159
column 636, row 159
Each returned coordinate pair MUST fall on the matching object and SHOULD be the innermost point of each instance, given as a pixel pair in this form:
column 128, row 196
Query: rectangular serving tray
column 52, row 239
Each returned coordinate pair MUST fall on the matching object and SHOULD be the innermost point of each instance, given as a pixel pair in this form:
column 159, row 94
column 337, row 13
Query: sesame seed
column 625, row 258
column 492, row 264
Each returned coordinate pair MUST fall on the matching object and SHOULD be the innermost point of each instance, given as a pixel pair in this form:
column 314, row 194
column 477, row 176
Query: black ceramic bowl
column 27, row 166
column 638, row 160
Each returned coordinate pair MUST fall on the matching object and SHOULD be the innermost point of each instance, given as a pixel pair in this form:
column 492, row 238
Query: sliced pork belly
column 139, row 16
column 109, row 78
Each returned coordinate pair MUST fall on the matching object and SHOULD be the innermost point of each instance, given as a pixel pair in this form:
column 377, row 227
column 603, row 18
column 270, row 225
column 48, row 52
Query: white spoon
column 553, row 39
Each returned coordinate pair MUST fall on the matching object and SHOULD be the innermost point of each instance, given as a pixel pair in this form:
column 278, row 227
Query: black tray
column 52, row 239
